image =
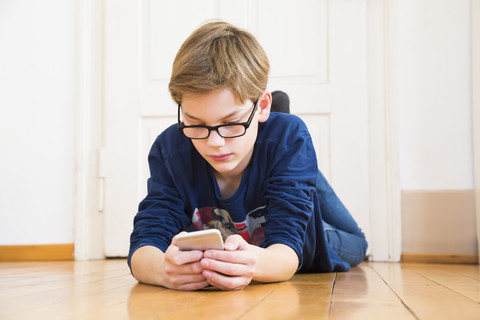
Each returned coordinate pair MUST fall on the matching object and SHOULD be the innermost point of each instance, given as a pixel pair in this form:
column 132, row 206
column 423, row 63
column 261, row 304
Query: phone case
column 200, row 240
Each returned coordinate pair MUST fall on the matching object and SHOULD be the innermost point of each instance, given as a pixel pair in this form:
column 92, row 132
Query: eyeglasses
column 230, row 130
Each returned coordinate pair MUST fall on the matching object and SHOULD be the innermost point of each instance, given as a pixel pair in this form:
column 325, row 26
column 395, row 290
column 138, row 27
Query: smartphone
column 200, row 240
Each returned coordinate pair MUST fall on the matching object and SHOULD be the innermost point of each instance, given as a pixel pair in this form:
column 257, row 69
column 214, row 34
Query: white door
column 317, row 51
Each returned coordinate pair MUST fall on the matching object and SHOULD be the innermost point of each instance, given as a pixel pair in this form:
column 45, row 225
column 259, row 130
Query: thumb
column 174, row 240
column 235, row 242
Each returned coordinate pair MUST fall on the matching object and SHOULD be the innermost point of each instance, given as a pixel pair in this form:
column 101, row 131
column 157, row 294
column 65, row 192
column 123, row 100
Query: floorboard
column 362, row 294
column 455, row 278
column 425, row 298
column 105, row 289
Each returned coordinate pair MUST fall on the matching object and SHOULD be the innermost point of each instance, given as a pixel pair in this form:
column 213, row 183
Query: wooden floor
column 106, row 290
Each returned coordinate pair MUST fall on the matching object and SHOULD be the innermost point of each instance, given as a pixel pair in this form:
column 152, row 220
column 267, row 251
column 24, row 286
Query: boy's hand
column 182, row 270
column 233, row 268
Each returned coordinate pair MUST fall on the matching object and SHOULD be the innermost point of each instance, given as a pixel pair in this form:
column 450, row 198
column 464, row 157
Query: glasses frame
column 246, row 125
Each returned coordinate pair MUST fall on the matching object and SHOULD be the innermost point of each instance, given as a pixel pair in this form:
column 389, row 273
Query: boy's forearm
column 278, row 262
column 145, row 263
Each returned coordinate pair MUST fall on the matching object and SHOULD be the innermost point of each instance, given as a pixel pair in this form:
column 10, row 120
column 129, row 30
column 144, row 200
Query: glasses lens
column 196, row 133
column 232, row 131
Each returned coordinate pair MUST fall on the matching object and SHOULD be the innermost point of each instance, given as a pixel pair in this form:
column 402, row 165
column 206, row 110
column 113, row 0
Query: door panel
column 141, row 40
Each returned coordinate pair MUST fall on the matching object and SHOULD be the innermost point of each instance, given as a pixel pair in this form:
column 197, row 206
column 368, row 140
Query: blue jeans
column 341, row 230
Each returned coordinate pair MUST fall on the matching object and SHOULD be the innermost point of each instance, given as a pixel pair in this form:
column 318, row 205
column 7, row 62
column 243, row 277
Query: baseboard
column 45, row 252
column 440, row 258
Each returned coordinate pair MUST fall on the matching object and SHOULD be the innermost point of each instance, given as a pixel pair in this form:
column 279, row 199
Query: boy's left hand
column 233, row 268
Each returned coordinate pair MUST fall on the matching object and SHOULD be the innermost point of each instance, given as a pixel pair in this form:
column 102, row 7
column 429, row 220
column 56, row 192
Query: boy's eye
column 203, row 124
column 190, row 123
column 236, row 121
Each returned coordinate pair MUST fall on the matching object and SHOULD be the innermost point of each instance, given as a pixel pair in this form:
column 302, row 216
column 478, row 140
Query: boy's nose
column 215, row 140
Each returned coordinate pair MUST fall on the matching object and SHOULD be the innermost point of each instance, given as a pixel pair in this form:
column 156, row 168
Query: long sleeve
column 161, row 214
column 290, row 185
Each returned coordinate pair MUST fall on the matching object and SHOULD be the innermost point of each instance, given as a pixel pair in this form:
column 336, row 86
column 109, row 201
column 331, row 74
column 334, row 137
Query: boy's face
column 228, row 156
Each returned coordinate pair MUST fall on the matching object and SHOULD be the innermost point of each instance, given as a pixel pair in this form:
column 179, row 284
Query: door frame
column 88, row 218
column 385, row 215
column 385, row 194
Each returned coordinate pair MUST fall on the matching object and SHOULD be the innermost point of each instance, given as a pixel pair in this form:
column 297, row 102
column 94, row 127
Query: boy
column 231, row 165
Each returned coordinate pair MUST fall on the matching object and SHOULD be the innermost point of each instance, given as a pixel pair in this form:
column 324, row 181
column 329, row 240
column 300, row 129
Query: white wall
column 36, row 109
column 434, row 94
column 36, row 121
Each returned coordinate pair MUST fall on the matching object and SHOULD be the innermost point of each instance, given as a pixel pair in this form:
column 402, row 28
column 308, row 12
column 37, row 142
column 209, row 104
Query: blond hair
column 219, row 55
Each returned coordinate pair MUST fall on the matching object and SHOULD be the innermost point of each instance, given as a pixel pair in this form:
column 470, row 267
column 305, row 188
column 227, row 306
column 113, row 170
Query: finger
column 194, row 286
column 238, row 257
column 180, row 280
column 235, row 242
column 177, row 257
column 189, row 268
column 174, row 240
column 224, row 282
column 190, row 286
column 227, row 268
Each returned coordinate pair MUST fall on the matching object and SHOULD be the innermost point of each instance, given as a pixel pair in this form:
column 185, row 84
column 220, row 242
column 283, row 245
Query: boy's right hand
column 174, row 269
column 182, row 269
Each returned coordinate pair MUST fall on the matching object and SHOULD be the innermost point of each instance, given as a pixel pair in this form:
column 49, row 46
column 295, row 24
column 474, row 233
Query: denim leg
column 350, row 247
column 341, row 230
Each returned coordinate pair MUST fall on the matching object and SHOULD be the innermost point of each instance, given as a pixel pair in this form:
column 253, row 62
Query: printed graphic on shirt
column 251, row 229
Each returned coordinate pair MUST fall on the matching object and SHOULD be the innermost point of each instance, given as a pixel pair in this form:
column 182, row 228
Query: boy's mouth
column 221, row 157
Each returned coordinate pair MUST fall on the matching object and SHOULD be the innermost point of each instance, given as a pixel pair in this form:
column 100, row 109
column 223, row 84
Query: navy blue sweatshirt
column 275, row 203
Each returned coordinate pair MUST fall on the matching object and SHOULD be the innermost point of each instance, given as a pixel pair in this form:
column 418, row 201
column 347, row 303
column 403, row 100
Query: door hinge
column 101, row 174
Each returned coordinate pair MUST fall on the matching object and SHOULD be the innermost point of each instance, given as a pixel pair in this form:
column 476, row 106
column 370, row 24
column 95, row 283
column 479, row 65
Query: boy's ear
column 264, row 106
